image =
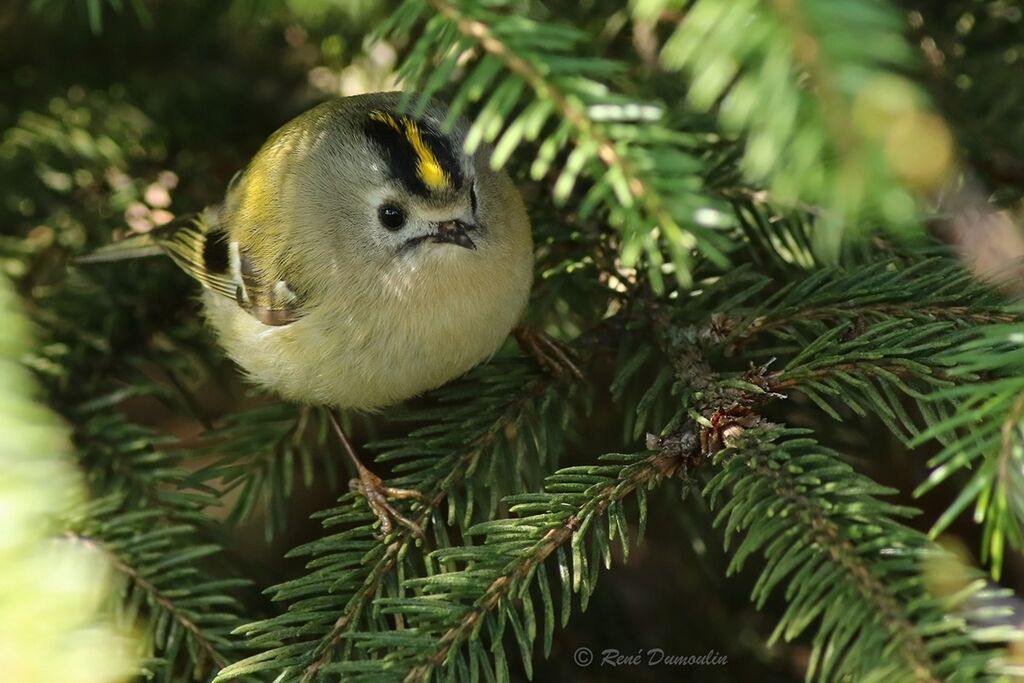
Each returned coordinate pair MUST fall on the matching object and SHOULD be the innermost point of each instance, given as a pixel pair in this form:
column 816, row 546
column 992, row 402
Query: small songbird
column 360, row 258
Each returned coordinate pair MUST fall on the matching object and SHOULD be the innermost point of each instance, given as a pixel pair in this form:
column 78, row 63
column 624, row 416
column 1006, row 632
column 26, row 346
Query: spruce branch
column 922, row 334
column 867, row 338
column 925, row 290
column 796, row 81
column 435, row 496
column 633, row 160
column 847, row 565
column 571, row 110
column 486, row 586
column 986, row 435
column 214, row 649
column 256, row 453
column 150, row 522
column 564, row 527
column 457, row 451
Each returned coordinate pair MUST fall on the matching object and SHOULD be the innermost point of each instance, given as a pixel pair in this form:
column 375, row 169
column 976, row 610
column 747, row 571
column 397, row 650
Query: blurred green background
column 118, row 116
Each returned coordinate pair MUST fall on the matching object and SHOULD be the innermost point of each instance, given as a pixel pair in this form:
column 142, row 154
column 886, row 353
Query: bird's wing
column 201, row 250
column 271, row 301
column 204, row 251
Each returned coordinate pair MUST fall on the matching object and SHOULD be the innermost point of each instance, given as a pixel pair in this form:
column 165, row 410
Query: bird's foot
column 552, row 354
column 378, row 496
column 376, row 493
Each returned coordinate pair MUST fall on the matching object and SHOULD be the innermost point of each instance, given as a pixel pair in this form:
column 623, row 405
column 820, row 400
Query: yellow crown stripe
column 386, row 119
column 428, row 168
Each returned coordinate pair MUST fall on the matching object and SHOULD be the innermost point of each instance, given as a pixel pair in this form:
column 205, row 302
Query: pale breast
column 410, row 334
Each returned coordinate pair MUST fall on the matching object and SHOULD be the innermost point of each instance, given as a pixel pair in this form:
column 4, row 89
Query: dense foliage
column 776, row 236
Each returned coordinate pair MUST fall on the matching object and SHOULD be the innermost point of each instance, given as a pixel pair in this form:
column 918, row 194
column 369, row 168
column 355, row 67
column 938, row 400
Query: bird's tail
column 137, row 246
column 192, row 242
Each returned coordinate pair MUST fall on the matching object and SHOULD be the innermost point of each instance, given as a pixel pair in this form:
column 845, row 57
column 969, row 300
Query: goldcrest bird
column 361, row 257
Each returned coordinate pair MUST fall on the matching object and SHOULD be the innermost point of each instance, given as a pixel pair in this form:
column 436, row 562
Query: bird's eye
column 472, row 198
column 391, row 217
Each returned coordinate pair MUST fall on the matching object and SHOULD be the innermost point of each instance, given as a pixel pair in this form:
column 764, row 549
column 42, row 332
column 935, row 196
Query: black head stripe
column 417, row 156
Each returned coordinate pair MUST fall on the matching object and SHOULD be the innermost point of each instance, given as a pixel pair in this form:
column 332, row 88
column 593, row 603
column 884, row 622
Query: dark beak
column 454, row 232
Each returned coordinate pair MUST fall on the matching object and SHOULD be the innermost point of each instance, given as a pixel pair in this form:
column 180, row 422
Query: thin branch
column 463, row 464
column 571, row 112
column 782, row 379
column 766, row 323
column 827, row 535
column 158, row 597
column 654, row 469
